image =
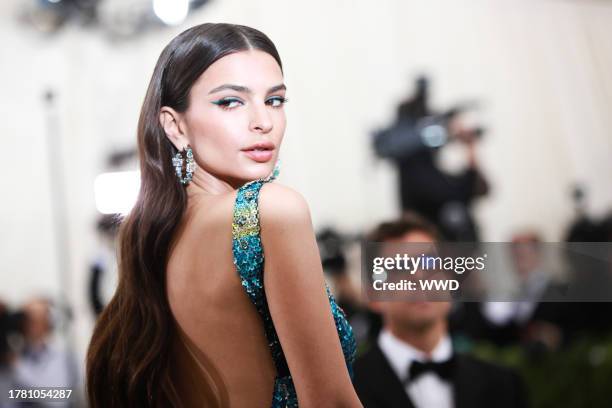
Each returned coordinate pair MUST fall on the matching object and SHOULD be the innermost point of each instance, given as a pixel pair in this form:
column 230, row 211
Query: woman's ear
column 170, row 121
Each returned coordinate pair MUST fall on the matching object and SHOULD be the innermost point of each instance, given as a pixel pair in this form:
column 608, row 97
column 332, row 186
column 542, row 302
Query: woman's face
column 236, row 120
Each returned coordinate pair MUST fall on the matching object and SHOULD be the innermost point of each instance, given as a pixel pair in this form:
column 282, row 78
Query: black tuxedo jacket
column 475, row 384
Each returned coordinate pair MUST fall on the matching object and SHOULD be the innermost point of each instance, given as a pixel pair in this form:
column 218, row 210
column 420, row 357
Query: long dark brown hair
column 130, row 353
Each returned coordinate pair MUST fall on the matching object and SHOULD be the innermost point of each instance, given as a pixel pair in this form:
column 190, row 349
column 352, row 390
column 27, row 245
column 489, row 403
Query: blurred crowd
column 32, row 355
column 534, row 350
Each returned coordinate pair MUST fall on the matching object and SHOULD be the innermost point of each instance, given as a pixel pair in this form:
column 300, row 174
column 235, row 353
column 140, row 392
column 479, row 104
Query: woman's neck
column 205, row 183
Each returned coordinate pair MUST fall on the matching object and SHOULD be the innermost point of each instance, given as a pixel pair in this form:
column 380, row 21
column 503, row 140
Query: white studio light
column 116, row 192
column 171, row 12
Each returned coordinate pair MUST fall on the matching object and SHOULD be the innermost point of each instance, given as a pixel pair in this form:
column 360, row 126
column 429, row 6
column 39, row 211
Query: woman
column 191, row 323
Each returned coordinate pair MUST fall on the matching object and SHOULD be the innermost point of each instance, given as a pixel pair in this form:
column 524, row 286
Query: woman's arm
column 300, row 309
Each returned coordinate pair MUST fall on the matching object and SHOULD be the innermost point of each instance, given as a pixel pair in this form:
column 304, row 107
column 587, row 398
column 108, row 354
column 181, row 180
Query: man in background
column 413, row 364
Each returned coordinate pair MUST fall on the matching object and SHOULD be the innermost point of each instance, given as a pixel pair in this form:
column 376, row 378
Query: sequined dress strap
column 249, row 259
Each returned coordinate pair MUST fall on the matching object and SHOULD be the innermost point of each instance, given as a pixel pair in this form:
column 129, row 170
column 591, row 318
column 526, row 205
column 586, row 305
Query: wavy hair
column 130, row 355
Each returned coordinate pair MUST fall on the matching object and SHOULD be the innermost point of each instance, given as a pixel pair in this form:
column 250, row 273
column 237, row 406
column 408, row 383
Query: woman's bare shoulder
column 279, row 204
column 296, row 293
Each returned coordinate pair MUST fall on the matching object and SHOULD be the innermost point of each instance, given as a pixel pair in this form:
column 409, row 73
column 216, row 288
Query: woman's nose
column 260, row 120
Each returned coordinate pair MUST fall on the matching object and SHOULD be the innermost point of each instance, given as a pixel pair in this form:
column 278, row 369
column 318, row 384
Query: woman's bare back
column 221, row 327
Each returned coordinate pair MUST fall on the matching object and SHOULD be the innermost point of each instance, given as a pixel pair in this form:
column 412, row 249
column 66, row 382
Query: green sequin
column 249, row 260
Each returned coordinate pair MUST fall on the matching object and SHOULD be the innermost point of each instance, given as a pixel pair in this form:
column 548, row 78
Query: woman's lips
column 260, row 156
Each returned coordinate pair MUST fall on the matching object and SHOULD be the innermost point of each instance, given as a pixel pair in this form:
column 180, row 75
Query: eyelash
column 225, row 102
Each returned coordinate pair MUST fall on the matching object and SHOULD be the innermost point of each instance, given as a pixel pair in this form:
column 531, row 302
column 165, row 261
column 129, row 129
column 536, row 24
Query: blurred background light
column 116, row 192
column 171, row 12
column 116, row 19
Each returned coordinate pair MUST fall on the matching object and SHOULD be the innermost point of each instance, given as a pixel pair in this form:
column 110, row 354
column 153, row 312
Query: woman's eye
column 277, row 101
column 228, row 103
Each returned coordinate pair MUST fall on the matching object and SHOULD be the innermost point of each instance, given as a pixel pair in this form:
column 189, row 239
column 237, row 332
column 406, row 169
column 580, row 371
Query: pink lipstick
column 261, row 152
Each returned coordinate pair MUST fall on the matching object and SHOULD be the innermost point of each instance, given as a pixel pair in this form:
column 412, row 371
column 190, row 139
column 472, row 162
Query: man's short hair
column 409, row 222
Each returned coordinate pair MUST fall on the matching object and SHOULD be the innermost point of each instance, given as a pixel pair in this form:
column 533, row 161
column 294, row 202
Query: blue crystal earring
column 177, row 163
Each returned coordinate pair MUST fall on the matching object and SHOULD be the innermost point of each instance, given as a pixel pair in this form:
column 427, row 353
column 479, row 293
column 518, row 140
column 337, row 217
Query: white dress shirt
column 428, row 390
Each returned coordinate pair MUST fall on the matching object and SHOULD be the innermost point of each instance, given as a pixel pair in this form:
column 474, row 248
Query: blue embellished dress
column 249, row 260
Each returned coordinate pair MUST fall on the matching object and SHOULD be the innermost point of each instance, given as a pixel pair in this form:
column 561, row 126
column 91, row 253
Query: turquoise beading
column 249, row 260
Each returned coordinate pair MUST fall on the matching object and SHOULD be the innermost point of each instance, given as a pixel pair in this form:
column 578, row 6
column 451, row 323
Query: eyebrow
column 244, row 89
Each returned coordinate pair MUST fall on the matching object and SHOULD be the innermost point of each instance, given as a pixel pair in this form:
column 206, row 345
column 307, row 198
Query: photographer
column 413, row 143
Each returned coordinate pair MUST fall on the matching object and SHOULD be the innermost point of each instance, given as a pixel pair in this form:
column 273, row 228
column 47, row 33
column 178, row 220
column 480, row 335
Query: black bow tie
column 444, row 369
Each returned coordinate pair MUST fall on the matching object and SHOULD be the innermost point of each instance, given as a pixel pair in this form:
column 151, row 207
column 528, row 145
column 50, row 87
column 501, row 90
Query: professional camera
column 418, row 128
